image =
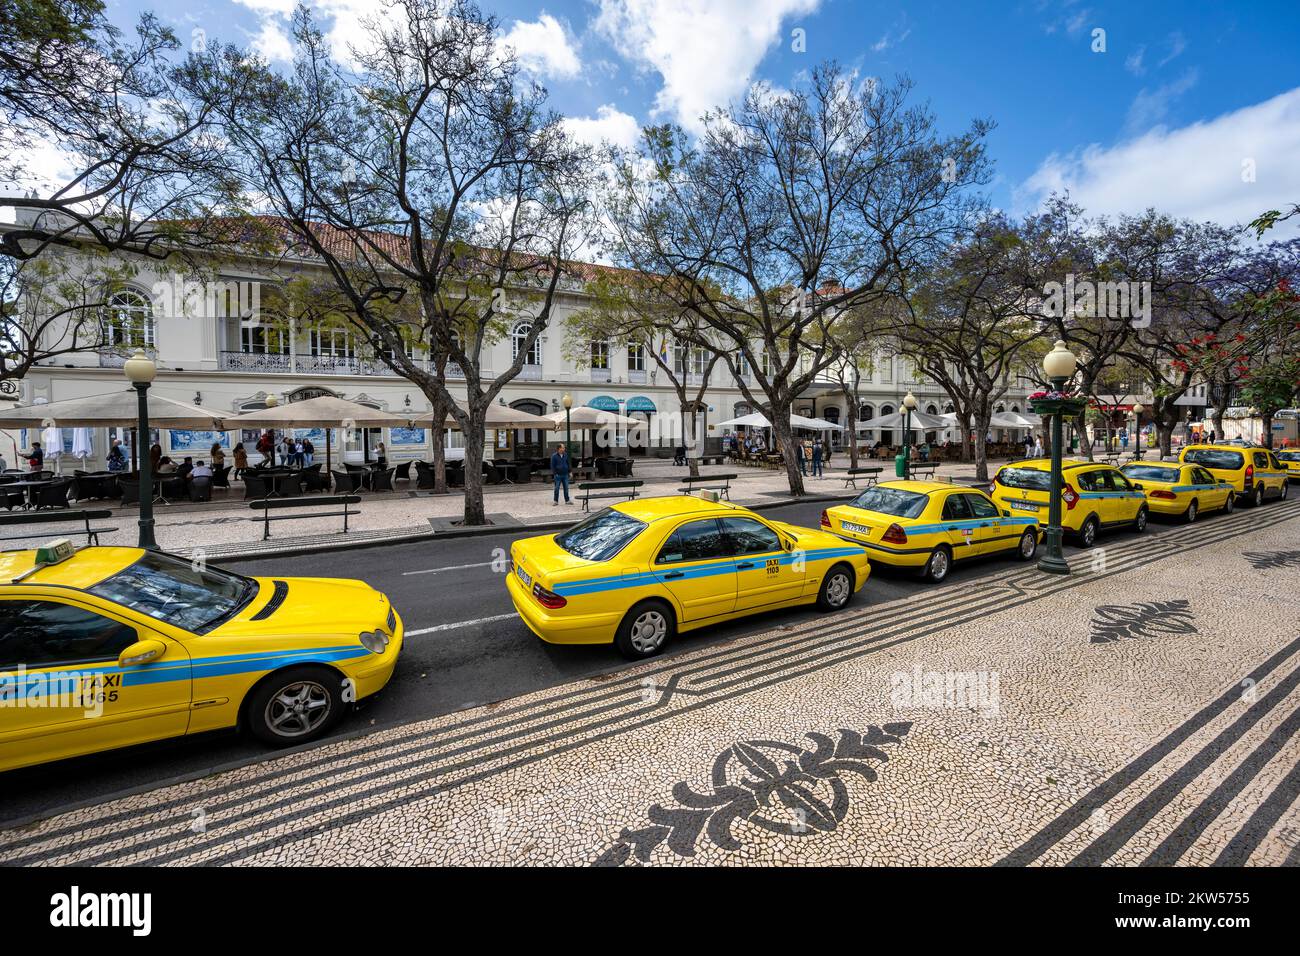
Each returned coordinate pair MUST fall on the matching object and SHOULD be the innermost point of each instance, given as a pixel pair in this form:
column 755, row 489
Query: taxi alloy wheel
column 936, row 569
column 295, row 705
column 1028, row 545
column 1140, row 522
column 1088, row 533
column 1286, row 487
column 837, row 589
column 1230, row 505
column 1193, row 510
column 645, row 630
column 1258, row 498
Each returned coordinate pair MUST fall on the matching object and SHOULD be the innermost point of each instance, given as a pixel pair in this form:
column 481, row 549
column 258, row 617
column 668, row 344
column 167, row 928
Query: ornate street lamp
column 909, row 404
column 1059, row 364
column 567, row 401
column 1138, row 409
column 271, row 402
column 140, row 371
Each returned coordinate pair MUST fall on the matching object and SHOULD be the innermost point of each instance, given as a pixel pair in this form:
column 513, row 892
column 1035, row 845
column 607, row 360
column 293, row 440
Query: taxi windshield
column 1288, row 456
column 891, row 501
column 1030, row 478
column 179, row 592
column 601, row 536
column 1151, row 473
column 1214, row 458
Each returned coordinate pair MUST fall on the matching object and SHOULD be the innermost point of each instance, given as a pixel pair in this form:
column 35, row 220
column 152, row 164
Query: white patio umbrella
column 752, row 420
column 324, row 411
column 498, row 416
column 83, row 445
column 584, row 418
column 114, row 408
column 998, row 420
column 921, row 421
column 815, row 424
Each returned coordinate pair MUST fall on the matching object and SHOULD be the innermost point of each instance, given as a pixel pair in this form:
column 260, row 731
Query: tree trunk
column 688, row 438
column 785, row 441
column 1085, row 441
column 851, row 403
column 981, row 447
column 1266, row 420
column 439, row 448
column 474, row 511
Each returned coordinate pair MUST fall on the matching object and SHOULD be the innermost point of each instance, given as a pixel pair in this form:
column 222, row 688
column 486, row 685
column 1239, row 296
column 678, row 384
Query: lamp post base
column 1053, row 565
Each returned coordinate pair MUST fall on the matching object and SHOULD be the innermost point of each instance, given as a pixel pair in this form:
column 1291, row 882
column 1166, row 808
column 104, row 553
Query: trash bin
column 900, row 465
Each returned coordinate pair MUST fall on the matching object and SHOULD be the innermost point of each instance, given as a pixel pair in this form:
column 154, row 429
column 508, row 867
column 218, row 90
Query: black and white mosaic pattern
column 1145, row 621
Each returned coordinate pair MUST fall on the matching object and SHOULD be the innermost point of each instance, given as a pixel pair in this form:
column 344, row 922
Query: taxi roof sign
column 55, row 551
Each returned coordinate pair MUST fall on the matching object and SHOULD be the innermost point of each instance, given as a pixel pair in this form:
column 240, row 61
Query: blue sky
column 1192, row 107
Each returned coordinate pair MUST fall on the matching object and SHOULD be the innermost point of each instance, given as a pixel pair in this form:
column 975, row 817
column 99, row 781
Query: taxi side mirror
column 1137, row 486
column 1006, row 512
column 788, row 543
column 141, row 652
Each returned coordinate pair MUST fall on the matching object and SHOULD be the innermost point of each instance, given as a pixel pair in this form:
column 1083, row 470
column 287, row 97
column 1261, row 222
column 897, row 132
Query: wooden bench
column 608, row 489
column 267, row 505
column 708, row 459
column 709, row 483
column 870, row 475
column 925, row 469
column 49, row 517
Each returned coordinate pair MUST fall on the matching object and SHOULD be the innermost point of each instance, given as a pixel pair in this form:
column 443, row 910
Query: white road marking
column 454, row 567
column 458, row 624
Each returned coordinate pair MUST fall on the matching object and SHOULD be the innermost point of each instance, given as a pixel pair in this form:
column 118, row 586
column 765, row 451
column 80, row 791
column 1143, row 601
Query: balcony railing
column 600, row 375
column 116, row 358
column 531, row 373
column 636, row 376
column 254, row 362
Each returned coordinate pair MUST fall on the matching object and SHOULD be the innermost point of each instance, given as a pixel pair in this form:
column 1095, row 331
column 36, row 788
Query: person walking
column 801, row 457
column 1038, row 446
column 308, row 451
column 241, row 459
column 116, row 457
column 216, row 456
column 36, row 457
column 817, row 457
column 560, row 474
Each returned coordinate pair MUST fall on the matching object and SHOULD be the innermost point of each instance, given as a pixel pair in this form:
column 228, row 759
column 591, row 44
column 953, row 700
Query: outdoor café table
column 509, row 472
column 29, row 486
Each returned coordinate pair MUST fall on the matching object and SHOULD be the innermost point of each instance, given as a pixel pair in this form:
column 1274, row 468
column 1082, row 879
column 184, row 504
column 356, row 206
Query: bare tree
column 790, row 211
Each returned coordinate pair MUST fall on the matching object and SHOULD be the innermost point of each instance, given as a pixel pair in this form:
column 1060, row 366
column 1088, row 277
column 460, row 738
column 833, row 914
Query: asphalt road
column 464, row 647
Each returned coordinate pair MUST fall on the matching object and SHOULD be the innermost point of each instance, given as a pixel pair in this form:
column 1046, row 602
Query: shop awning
column 640, row 404
column 604, row 402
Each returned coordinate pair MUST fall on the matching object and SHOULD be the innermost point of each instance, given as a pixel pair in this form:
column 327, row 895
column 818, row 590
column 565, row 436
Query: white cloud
column 272, row 42
column 705, row 50
column 1134, row 62
column 1194, row 171
column 608, row 125
column 544, row 47
column 1177, row 44
column 1151, row 106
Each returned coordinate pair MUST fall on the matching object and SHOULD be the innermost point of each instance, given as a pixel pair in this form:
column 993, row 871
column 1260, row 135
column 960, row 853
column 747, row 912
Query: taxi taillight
column 826, row 519
column 894, row 534
column 1070, row 497
column 548, row 598
column 1161, row 493
column 1250, row 473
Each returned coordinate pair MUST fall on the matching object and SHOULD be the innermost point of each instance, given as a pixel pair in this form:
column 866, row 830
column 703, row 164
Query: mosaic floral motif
column 1150, row 619
column 1266, row 560
column 781, row 787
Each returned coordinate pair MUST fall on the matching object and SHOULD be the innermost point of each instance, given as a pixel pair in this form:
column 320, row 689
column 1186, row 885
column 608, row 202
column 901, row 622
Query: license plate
column 523, row 575
column 854, row 528
column 1025, row 505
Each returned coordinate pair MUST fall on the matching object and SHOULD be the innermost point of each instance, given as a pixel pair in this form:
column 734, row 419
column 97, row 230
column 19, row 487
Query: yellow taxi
column 1180, row 490
column 639, row 572
column 1094, row 496
column 1253, row 472
column 107, row 647
column 930, row 524
column 1290, row 460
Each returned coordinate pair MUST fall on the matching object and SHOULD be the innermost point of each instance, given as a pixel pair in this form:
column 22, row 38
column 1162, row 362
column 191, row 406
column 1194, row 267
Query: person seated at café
column 185, row 467
column 166, row 466
column 199, row 470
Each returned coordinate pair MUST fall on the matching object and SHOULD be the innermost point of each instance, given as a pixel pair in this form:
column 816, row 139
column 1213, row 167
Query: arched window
column 519, row 337
column 127, row 320
column 931, row 410
column 866, row 413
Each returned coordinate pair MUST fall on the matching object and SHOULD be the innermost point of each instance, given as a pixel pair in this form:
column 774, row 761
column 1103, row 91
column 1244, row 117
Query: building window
column 330, row 342
column 519, row 337
column 128, row 320
column 259, row 340
column 600, row 355
column 635, row 357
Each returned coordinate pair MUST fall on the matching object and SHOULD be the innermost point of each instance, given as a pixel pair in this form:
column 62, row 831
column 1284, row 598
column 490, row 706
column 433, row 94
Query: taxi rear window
column 601, row 536
column 891, row 501
column 1030, row 478
column 1151, row 473
column 1215, row 458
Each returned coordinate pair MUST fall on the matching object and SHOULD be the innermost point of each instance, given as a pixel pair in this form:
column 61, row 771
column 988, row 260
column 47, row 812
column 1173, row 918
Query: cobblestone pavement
column 1142, row 711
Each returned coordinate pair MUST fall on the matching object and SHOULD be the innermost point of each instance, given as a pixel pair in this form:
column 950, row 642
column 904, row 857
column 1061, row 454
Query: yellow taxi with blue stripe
column 928, row 525
column 1094, row 496
column 639, row 572
column 1289, row 458
column 1180, row 490
column 105, row 647
column 1254, row 473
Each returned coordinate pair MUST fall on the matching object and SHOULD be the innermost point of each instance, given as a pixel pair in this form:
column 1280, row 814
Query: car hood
column 310, row 607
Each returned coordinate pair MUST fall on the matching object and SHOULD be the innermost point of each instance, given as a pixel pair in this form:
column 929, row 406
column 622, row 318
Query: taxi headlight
column 374, row 641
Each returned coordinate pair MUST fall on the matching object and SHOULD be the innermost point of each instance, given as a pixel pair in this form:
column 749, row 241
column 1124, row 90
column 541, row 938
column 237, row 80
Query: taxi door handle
column 744, row 567
column 675, row 574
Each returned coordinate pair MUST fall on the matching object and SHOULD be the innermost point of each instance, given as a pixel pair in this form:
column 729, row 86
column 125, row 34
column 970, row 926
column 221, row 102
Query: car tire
column 1088, row 532
column 1286, row 488
column 836, row 591
column 1140, row 520
column 294, row 706
column 645, row 630
column 1257, row 497
column 938, row 565
column 1028, row 545
column 1193, row 509
column 1230, row 505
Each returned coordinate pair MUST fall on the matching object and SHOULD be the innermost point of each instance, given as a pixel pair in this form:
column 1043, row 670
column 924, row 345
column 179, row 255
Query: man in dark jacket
column 560, row 472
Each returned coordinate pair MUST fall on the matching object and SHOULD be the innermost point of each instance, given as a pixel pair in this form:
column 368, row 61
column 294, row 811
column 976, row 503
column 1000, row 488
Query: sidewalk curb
column 448, row 533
